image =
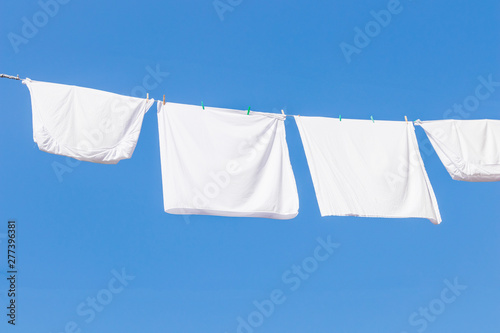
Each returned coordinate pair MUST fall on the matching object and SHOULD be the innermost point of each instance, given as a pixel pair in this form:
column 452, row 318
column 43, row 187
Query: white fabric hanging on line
column 86, row 124
column 365, row 168
column 224, row 162
column 469, row 149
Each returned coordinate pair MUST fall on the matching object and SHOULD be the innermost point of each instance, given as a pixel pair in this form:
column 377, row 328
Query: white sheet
column 469, row 149
column 365, row 168
column 86, row 124
column 225, row 162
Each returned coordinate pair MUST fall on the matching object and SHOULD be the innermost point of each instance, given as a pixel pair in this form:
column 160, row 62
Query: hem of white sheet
column 461, row 176
column 198, row 211
column 50, row 145
column 54, row 147
column 434, row 221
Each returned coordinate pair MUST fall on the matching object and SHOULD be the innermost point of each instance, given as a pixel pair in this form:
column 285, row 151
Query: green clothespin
column 340, row 117
column 202, row 105
column 248, row 111
column 372, row 118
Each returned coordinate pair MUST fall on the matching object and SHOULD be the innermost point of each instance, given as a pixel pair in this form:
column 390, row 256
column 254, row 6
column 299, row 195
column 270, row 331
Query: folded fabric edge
column 432, row 195
column 82, row 159
column 278, row 116
column 433, row 220
column 195, row 211
column 475, row 178
column 28, row 80
column 148, row 105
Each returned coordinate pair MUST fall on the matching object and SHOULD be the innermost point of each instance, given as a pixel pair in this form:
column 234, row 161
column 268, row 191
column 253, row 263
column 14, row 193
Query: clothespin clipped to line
column 282, row 112
column 248, row 112
column 372, row 119
column 163, row 99
column 147, row 96
column 202, row 105
column 340, row 117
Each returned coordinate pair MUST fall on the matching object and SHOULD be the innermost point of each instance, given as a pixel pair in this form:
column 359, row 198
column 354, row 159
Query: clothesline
column 226, row 164
column 202, row 105
column 11, row 77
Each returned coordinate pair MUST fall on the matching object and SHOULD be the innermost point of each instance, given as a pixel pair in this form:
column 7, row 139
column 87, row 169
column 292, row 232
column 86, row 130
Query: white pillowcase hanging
column 365, row 168
column 85, row 124
column 224, row 162
column 469, row 149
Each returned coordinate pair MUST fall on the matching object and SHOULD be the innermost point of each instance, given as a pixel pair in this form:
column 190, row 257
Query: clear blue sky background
column 199, row 274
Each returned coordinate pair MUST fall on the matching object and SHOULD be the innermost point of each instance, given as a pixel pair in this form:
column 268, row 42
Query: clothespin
column 372, row 118
column 406, row 119
column 202, row 105
column 340, row 117
column 147, row 96
column 248, row 112
column 282, row 112
column 163, row 99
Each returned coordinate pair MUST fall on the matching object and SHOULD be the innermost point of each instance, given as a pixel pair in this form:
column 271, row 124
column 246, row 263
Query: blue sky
column 77, row 232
